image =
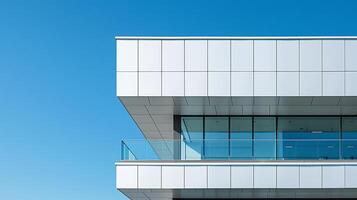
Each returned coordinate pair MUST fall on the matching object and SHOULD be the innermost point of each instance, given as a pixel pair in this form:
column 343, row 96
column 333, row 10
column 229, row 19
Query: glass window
column 241, row 138
column 192, row 138
column 349, row 137
column 216, row 137
column 308, row 138
column 264, row 138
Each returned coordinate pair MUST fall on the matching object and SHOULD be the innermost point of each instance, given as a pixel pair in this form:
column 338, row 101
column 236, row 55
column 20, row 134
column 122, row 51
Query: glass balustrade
column 240, row 149
column 252, row 138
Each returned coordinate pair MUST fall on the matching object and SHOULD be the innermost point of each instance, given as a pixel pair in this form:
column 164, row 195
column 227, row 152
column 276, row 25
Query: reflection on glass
column 349, row 136
column 216, row 138
column 308, row 138
column 244, row 138
column 264, row 138
column 241, row 138
column 126, row 154
column 192, row 138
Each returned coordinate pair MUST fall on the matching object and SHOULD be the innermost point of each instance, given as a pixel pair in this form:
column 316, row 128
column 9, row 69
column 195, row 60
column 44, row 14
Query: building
column 239, row 117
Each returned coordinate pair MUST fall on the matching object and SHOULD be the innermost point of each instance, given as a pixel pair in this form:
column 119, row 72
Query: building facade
column 239, row 117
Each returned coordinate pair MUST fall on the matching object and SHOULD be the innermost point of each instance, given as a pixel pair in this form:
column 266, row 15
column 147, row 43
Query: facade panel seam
column 276, row 67
column 344, row 176
column 137, row 176
column 299, row 176
column 253, row 71
column 137, row 68
column 322, row 68
column 322, row 176
column 184, row 69
column 161, row 67
column 344, row 67
column 207, row 60
column 184, row 175
column 253, row 168
column 230, row 67
column 206, row 167
column 157, row 128
column 230, row 176
column 276, row 176
column 299, row 67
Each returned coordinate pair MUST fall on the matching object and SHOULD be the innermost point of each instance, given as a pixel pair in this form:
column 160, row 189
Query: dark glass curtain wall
column 268, row 138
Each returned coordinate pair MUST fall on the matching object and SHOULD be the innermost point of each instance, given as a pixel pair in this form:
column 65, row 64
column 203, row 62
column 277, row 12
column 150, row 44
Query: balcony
column 240, row 149
column 238, row 168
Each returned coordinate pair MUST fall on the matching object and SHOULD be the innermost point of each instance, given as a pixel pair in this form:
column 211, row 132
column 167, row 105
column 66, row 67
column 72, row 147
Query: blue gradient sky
column 60, row 122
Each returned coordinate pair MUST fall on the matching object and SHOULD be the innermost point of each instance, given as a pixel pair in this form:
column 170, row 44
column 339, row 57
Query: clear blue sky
column 60, row 121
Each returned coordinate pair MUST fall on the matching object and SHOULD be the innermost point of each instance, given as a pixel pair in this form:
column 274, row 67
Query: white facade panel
column 288, row 176
column 195, row 83
column 242, row 176
column 149, row 83
column 333, row 84
column 351, row 55
column 310, row 84
column 127, row 177
column 127, row 55
column 173, row 176
column 236, row 57
column 150, row 55
column 310, row 55
column 219, row 83
column 149, row 177
column 219, row 177
column 333, row 176
column 173, row 84
column 288, row 84
column 351, row 176
column 235, row 176
column 288, row 55
column 333, row 55
column 127, row 83
column 196, row 55
column 219, row 55
column 264, row 176
column 173, row 55
column 195, row 176
column 242, row 55
column 351, row 83
column 264, row 55
column 242, row 84
column 310, row 177
column 264, row 83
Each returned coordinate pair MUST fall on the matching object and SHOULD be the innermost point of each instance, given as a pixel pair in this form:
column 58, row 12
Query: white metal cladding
column 219, row 66
column 154, row 115
column 227, row 175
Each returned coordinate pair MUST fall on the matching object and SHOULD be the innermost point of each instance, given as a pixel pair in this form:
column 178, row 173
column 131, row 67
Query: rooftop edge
column 232, row 37
column 235, row 162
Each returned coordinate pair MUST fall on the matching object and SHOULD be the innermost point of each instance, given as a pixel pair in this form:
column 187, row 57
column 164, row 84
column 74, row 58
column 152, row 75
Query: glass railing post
column 122, row 150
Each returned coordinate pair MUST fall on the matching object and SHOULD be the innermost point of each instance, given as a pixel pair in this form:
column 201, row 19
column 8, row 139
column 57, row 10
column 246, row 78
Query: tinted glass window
column 264, row 138
column 349, row 136
column 216, row 137
column 241, row 138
